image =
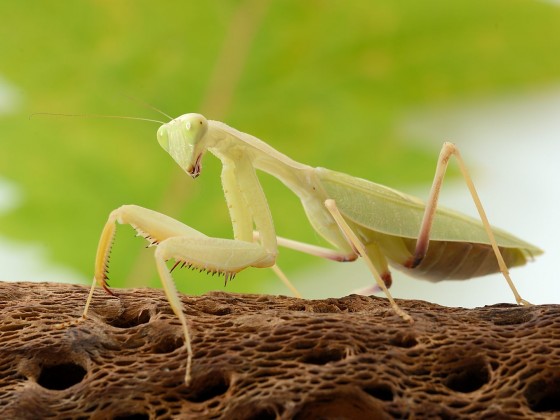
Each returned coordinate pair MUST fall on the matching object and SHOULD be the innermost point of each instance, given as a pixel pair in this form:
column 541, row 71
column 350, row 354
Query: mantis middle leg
column 372, row 258
column 317, row 251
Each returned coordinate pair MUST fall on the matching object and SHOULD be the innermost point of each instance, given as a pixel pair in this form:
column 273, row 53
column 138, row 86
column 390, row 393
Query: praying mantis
column 357, row 217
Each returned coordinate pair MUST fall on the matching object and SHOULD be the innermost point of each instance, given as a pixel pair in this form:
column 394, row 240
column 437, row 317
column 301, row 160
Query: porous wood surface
column 266, row 357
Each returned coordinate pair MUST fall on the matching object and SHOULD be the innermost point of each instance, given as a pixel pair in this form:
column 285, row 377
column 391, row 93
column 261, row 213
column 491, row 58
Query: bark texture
column 269, row 357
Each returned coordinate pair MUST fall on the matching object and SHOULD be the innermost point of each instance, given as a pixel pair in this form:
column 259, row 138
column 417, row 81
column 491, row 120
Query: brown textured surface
column 272, row 357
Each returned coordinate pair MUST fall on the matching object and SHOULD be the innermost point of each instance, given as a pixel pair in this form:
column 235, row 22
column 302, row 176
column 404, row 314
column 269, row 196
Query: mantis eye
column 163, row 139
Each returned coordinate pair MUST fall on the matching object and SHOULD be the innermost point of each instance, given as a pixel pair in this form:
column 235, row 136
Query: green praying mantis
column 359, row 218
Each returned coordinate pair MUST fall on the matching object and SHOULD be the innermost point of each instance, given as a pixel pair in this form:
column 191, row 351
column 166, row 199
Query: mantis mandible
column 359, row 218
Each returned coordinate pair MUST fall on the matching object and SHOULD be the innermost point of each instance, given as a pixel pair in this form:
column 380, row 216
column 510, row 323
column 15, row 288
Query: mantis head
column 184, row 139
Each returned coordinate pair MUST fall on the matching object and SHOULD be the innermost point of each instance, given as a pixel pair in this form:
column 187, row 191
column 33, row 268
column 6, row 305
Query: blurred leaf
column 324, row 82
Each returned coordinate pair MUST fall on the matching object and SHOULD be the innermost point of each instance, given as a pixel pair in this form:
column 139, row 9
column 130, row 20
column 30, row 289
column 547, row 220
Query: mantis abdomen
column 451, row 260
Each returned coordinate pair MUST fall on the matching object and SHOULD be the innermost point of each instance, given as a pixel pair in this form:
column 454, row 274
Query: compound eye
column 162, row 137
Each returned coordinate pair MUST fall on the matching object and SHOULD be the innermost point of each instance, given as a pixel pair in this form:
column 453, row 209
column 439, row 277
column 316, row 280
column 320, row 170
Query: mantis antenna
column 147, row 105
column 121, row 117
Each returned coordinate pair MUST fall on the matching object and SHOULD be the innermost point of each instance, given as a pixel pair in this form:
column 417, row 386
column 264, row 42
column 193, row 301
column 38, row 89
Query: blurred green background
column 325, row 82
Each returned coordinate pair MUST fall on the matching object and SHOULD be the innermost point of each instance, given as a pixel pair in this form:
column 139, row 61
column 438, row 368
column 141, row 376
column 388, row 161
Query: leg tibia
column 215, row 254
column 211, row 254
column 317, row 251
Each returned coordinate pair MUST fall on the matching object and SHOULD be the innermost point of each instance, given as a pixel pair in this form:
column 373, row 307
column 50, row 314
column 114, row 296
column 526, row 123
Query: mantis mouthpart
column 359, row 218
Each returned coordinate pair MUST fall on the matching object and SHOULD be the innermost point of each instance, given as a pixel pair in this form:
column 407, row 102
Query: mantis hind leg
column 448, row 150
column 361, row 250
column 309, row 249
